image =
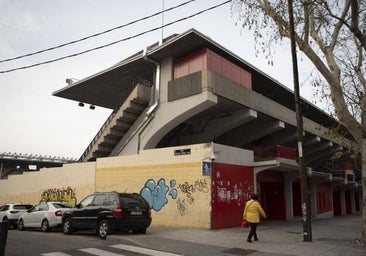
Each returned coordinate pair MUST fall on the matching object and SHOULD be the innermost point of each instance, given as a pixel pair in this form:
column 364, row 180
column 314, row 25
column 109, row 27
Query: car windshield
column 4, row 208
column 61, row 205
column 22, row 206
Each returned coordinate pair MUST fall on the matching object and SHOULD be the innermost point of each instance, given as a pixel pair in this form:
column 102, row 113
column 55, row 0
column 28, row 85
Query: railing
column 39, row 158
column 340, row 166
column 275, row 151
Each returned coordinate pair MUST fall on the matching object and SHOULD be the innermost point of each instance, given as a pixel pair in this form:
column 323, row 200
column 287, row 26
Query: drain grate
column 329, row 239
column 294, row 232
column 239, row 251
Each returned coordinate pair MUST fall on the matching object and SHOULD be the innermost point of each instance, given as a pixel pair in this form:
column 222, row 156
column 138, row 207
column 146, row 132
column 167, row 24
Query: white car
column 45, row 215
column 11, row 212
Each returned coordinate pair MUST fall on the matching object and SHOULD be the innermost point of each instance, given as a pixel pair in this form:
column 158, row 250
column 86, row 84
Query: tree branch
column 308, row 12
column 339, row 24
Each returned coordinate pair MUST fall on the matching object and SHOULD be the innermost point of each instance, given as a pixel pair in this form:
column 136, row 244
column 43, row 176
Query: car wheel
column 67, row 227
column 103, row 229
column 21, row 225
column 139, row 231
column 45, row 226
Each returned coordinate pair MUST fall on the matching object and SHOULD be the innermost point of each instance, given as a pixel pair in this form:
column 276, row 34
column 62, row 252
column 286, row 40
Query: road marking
column 55, row 254
column 99, row 252
column 143, row 250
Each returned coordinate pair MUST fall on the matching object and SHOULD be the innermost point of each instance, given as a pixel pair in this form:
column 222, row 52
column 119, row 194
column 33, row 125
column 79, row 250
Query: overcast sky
column 35, row 122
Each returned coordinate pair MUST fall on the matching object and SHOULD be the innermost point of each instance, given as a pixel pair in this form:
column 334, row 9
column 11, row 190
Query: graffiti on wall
column 189, row 190
column 61, row 195
column 236, row 194
column 229, row 190
column 182, row 206
column 156, row 193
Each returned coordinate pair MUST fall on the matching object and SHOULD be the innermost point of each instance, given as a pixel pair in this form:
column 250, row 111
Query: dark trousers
column 253, row 231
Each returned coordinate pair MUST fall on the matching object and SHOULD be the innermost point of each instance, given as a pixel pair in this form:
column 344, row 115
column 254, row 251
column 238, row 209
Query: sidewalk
column 331, row 237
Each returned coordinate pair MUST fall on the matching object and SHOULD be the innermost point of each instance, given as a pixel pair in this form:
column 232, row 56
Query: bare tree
column 332, row 34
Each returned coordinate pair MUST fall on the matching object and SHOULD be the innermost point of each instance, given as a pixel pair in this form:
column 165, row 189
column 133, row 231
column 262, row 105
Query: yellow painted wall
column 158, row 173
column 30, row 186
column 173, row 184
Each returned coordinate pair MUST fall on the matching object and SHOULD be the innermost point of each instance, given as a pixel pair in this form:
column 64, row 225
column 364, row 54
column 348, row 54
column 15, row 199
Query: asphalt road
column 55, row 243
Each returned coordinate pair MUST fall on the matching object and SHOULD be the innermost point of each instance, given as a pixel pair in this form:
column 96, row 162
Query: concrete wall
column 170, row 179
column 71, row 183
column 184, row 185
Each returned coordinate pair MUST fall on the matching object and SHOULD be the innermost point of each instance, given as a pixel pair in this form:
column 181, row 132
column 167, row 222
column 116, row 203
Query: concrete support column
column 289, row 178
column 313, row 209
column 255, row 173
column 353, row 205
column 343, row 202
column 166, row 75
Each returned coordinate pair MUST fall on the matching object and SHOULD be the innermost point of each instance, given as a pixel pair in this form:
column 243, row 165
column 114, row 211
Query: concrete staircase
column 117, row 124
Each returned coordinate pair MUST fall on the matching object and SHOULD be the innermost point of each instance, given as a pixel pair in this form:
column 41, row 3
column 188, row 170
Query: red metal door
column 273, row 200
column 357, row 202
column 337, row 203
column 296, row 199
column 348, row 202
column 232, row 186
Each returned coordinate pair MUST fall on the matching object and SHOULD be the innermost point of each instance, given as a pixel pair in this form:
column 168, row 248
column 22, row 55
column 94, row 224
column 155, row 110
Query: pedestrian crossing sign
column 206, row 168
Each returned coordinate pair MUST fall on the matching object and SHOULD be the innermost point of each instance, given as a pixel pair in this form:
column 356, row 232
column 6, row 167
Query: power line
column 115, row 42
column 95, row 35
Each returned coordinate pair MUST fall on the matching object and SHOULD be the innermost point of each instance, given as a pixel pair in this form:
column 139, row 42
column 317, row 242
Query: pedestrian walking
column 252, row 213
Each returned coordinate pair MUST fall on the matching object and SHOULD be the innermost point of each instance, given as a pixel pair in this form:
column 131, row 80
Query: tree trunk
column 363, row 180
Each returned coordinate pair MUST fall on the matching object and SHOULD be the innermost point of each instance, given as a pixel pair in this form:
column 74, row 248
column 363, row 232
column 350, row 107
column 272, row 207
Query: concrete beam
column 218, row 126
column 260, row 103
column 252, row 132
column 281, row 137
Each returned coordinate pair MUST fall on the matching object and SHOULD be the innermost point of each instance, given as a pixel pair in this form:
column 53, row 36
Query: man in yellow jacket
column 252, row 212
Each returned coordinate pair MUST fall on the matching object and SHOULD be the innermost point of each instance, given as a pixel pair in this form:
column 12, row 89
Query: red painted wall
column 232, row 186
column 285, row 152
column 323, row 197
column 275, row 151
column 206, row 59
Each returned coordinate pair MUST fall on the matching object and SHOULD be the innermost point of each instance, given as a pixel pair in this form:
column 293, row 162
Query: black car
column 107, row 211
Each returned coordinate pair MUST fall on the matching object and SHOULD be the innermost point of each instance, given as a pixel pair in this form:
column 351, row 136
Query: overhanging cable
column 94, row 35
column 115, row 42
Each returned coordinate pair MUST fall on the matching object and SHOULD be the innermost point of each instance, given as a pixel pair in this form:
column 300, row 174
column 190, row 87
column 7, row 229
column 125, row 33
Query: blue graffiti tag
column 173, row 192
column 155, row 194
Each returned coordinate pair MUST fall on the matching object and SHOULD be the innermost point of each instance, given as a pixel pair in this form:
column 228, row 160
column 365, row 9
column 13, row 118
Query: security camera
column 212, row 156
